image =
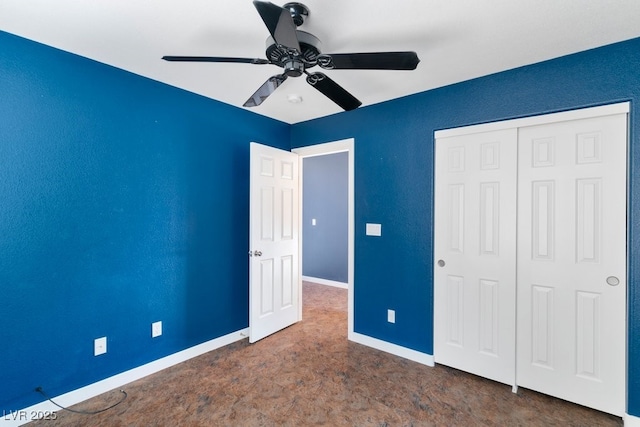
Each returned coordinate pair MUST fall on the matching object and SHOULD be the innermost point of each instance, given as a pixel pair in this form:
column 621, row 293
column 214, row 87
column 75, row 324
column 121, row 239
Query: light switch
column 391, row 316
column 313, row 221
column 374, row 229
column 156, row 329
column 99, row 346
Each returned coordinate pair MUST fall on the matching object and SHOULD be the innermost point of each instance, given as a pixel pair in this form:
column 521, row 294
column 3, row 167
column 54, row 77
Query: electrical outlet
column 156, row 329
column 391, row 316
column 99, row 346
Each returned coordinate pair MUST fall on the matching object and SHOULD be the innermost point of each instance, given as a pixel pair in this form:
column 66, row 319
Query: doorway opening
column 344, row 278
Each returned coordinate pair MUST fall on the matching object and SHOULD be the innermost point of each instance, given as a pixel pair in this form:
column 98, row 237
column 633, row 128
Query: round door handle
column 441, row 263
column 257, row 253
column 613, row 281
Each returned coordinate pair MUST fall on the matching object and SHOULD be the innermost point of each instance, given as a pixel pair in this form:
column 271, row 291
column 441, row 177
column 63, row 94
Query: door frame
column 345, row 145
column 541, row 119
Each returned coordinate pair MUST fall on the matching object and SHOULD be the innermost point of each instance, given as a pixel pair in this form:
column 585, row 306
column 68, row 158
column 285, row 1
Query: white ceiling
column 456, row 40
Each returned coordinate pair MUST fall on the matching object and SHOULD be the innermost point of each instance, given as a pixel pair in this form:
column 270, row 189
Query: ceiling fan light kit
column 295, row 51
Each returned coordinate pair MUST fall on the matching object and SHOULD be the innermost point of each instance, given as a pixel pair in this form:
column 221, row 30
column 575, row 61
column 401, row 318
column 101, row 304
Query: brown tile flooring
column 309, row 374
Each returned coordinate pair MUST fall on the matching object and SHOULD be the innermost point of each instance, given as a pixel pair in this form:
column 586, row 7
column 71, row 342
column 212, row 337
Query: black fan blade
column 370, row 61
column 265, row 90
column 333, row 91
column 279, row 23
column 214, row 59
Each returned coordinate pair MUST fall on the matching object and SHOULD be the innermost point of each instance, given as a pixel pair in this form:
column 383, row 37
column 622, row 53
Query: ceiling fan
column 296, row 51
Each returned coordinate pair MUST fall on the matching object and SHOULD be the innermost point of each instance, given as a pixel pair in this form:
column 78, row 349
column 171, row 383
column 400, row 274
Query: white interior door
column 273, row 233
column 475, row 271
column 572, row 261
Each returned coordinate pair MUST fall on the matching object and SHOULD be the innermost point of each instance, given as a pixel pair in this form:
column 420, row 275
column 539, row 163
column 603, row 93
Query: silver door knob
column 257, row 253
column 613, row 281
column 441, row 263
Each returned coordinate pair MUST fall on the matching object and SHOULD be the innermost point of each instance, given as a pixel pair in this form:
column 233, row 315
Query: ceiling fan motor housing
column 294, row 63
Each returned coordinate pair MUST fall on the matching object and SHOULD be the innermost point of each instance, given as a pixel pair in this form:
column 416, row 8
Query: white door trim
column 345, row 145
column 582, row 113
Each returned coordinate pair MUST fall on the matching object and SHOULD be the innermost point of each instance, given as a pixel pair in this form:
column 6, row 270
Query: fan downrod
column 298, row 12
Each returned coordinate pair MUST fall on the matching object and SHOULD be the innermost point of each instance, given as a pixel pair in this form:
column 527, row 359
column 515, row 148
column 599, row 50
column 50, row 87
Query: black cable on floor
column 124, row 393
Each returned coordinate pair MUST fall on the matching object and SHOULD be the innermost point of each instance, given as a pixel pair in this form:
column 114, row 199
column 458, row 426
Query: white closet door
column 572, row 261
column 474, row 277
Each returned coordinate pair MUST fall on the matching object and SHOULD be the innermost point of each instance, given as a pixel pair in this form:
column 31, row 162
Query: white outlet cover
column 391, row 316
column 313, row 221
column 99, row 346
column 156, row 329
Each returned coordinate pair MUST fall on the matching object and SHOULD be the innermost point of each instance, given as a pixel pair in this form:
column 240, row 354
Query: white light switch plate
column 156, row 329
column 374, row 229
column 99, row 346
column 391, row 316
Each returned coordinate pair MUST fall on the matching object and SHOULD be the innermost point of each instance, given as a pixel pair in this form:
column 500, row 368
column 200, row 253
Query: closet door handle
column 441, row 263
column 613, row 281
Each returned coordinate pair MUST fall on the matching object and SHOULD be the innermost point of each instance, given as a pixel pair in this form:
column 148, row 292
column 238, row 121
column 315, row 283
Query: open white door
column 273, row 241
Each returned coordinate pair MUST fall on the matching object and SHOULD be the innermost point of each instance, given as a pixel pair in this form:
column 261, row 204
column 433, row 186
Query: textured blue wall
column 325, row 198
column 394, row 180
column 122, row 202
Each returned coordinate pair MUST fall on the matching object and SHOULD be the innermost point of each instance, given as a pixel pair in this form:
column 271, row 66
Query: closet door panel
column 475, row 231
column 572, row 260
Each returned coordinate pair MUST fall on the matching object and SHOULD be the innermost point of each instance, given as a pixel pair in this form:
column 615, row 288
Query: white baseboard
column 18, row 418
column 326, row 282
column 407, row 353
column 631, row 421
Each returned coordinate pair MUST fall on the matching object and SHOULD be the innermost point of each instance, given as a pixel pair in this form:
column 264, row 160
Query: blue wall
column 122, row 202
column 325, row 198
column 394, row 180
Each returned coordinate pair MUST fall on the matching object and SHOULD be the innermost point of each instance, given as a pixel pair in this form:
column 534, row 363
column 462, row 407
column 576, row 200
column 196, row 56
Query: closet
column 530, row 253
